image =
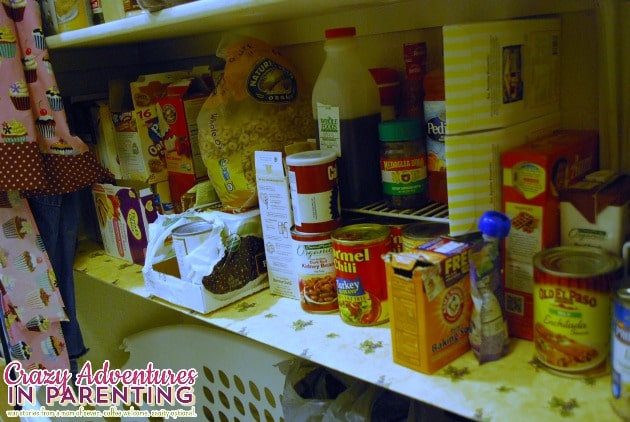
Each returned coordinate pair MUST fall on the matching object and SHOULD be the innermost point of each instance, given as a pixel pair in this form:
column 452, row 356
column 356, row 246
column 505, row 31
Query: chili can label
column 360, row 273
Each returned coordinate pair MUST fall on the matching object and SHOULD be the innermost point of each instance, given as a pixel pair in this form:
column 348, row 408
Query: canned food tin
column 314, row 191
column 360, row 273
column 314, row 261
column 572, row 307
column 186, row 238
column 416, row 234
column 620, row 355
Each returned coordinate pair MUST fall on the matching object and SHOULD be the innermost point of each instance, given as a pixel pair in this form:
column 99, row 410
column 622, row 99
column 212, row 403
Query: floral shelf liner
column 513, row 388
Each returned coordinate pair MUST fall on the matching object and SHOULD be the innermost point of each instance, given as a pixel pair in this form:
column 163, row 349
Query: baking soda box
column 533, row 176
column 429, row 292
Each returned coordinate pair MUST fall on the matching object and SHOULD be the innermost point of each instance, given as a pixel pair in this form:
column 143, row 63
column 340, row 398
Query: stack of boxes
column 148, row 139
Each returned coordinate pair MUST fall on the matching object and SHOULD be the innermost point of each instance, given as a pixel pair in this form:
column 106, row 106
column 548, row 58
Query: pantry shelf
column 433, row 211
column 513, row 388
column 303, row 18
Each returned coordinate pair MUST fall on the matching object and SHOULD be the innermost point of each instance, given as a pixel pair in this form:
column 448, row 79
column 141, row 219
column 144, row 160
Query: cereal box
column 429, row 292
column 124, row 214
column 179, row 109
column 533, row 176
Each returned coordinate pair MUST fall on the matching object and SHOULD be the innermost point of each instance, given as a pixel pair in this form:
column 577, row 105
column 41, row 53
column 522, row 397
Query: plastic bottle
column 97, row 12
column 415, row 57
column 435, row 118
column 347, row 111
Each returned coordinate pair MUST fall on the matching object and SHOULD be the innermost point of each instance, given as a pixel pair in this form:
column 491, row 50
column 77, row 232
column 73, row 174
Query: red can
column 360, row 273
column 314, row 191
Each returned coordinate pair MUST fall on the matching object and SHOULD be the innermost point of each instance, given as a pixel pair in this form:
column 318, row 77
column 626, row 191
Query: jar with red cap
column 347, row 111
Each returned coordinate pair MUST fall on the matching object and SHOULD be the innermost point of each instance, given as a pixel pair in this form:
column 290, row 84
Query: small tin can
column 186, row 238
column 416, row 234
column 620, row 354
column 360, row 273
column 314, row 191
column 572, row 306
column 314, row 262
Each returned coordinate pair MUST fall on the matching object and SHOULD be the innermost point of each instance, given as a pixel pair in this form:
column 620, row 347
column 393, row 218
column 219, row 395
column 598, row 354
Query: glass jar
column 403, row 163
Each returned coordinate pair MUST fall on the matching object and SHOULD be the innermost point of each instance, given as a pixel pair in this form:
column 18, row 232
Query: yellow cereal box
column 429, row 294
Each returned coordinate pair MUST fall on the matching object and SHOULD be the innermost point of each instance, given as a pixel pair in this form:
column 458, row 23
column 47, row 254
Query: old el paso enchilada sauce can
column 360, row 273
column 572, row 308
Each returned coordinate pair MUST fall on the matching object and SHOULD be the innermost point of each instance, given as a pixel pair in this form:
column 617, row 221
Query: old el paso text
column 567, row 296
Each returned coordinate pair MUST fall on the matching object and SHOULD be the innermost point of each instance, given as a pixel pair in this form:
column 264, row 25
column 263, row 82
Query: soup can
column 620, row 353
column 360, row 273
column 573, row 286
column 314, row 191
column 314, row 262
column 416, row 234
column 187, row 238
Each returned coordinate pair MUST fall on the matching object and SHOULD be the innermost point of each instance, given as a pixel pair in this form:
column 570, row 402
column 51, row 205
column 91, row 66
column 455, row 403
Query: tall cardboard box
column 179, row 109
column 500, row 73
column 533, row 176
column 431, row 305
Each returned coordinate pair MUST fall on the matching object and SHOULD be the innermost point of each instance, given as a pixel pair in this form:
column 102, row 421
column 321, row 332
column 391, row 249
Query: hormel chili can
column 572, row 307
column 314, row 262
column 314, row 191
column 360, row 273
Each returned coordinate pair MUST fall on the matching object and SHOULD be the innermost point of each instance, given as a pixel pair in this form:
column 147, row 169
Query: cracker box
column 124, row 214
column 517, row 68
column 179, row 109
column 533, row 176
column 429, row 292
column 595, row 212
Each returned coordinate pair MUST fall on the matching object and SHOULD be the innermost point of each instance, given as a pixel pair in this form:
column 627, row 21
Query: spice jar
column 403, row 163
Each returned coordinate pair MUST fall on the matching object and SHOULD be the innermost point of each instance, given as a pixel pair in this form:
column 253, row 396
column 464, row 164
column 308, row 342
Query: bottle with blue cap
column 489, row 337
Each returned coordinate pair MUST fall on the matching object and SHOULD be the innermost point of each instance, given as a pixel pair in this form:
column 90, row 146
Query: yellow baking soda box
column 429, row 295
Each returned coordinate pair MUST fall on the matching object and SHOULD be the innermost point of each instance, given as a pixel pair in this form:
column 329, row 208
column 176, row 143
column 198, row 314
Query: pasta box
column 431, row 305
column 123, row 215
column 534, row 174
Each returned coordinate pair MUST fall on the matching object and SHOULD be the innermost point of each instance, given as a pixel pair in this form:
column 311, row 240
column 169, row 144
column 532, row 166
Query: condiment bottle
column 435, row 119
column 347, row 111
column 97, row 12
column 403, row 163
column 415, row 57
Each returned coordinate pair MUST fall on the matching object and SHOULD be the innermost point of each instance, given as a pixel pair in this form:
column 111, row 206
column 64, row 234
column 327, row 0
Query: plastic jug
column 347, row 111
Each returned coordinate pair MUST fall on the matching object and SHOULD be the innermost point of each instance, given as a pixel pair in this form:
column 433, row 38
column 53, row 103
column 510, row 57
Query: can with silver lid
column 186, row 238
column 620, row 353
column 572, row 307
column 416, row 234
